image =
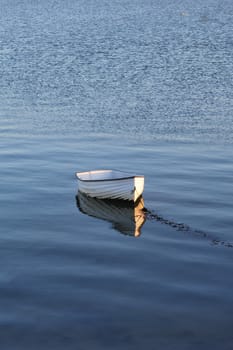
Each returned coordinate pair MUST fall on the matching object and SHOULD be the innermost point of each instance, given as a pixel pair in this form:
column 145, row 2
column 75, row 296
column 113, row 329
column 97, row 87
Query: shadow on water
column 128, row 217
column 125, row 217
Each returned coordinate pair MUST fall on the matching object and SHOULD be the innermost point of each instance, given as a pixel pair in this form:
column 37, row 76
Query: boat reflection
column 127, row 218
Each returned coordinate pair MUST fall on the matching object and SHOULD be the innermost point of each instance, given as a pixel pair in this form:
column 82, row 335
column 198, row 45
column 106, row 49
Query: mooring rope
column 150, row 215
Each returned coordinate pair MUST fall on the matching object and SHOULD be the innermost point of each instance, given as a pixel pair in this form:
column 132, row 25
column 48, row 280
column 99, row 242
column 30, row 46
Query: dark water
column 144, row 86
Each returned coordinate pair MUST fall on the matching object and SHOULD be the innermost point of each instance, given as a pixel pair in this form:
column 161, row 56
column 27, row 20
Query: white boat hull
column 110, row 184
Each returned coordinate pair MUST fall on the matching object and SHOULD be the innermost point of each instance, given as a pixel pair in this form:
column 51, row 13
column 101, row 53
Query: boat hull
column 128, row 188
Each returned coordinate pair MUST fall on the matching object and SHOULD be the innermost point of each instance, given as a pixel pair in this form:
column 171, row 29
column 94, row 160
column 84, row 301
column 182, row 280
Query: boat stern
column 138, row 187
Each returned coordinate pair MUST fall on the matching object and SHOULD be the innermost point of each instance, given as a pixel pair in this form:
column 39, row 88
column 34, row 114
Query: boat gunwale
column 117, row 179
column 113, row 179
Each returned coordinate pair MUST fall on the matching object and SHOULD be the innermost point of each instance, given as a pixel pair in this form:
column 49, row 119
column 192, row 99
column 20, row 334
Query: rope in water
column 150, row 215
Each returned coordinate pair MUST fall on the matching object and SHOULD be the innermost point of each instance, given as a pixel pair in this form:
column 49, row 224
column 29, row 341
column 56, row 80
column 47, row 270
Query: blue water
column 144, row 86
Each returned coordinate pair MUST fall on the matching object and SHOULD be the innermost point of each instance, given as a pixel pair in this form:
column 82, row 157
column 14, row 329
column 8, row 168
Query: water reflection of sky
column 134, row 85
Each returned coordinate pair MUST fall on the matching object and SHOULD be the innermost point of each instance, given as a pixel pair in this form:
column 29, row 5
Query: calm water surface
column 139, row 85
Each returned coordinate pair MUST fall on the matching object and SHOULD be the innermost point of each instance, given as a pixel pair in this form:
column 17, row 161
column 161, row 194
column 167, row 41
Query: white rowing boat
column 113, row 184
